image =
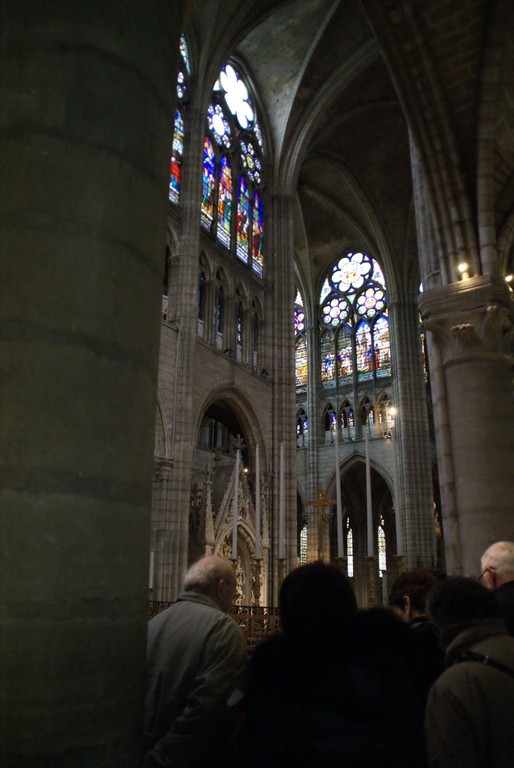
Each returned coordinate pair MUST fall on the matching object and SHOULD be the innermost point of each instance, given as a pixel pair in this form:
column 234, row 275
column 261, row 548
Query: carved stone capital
column 162, row 468
column 476, row 321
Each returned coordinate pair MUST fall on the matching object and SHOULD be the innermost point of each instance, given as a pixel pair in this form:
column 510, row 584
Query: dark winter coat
column 470, row 709
column 337, row 699
column 505, row 599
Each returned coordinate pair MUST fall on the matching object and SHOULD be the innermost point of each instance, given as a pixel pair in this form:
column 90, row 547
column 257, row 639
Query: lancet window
column 302, row 429
column 354, row 323
column 303, row 544
column 177, row 145
column 381, row 542
column 233, row 170
column 348, row 533
column 300, row 344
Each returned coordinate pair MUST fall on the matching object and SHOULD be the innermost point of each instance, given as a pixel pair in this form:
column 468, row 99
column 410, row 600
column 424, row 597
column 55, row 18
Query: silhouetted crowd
column 428, row 681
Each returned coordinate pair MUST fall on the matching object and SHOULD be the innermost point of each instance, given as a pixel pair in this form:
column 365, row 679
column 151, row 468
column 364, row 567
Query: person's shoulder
column 506, row 587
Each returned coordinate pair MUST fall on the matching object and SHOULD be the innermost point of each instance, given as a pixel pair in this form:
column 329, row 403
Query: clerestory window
column 233, row 170
column 354, row 323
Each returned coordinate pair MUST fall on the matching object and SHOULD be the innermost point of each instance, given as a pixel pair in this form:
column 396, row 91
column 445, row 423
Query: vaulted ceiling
column 335, row 121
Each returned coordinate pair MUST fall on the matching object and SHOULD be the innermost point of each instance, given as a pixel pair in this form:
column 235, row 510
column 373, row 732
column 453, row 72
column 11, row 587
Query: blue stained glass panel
column 364, row 350
column 299, row 320
column 345, row 355
column 224, row 202
column 243, row 220
column 301, row 361
column 382, row 346
column 208, row 184
column 258, row 234
column 177, row 151
column 328, row 360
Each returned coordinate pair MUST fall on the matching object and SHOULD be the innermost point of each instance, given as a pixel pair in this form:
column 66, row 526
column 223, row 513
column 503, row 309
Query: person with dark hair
column 470, row 711
column 315, row 598
column 336, row 688
column 497, row 574
column 196, row 657
column 408, row 598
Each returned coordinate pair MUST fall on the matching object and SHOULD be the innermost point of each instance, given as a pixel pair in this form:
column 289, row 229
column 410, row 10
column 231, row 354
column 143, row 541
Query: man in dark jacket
column 498, row 575
column 469, row 716
column 196, row 657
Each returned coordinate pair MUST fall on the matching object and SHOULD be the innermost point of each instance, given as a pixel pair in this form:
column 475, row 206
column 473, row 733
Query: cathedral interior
column 256, row 301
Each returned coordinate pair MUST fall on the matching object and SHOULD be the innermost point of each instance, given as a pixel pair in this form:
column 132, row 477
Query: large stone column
column 87, row 104
column 470, row 328
column 281, row 280
column 415, row 493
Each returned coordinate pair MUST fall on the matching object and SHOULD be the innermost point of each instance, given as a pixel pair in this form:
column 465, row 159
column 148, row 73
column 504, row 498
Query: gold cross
column 321, row 503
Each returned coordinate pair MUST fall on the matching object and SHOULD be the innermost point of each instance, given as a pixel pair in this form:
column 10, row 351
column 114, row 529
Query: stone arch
column 353, row 503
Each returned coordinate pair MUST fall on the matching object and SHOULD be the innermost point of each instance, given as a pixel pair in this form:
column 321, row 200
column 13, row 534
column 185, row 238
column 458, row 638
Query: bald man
column 498, row 575
column 196, row 657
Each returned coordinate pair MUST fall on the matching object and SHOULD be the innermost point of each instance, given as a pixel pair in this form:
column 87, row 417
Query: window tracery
column 233, row 170
column 354, row 336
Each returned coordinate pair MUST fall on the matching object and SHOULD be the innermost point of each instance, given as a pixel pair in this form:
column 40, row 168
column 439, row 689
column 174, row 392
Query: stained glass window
column 335, row 310
column 219, row 126
column 237, row 146
column 177, row 151
column 381, row 540
column 299, row 320
column 353, row 302
column 243, row 220
column 364, row 349
column 301, row 344
column 345, row 355
column 351, row 272
column 302, row 429
column 301, row 361
column 258, row 234
column 224, row 202
column 184, row 71
column 324, row 291
column 382, row 347
column 239, row 325
column 347, row 415
column 251, row 161
column 328, row 360
column 349, row 548
column 303, row 544
column 370, row 302
column 208, row 183
column 177, row 147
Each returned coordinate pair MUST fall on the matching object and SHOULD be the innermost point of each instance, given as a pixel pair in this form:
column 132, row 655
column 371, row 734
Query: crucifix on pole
column 321, row 504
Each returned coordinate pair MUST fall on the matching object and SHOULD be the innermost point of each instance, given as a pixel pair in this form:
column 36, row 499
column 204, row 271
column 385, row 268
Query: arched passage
column 355, row 525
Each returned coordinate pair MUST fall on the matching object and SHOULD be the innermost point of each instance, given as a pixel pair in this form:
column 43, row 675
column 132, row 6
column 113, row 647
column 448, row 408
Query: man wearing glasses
column 498, row 575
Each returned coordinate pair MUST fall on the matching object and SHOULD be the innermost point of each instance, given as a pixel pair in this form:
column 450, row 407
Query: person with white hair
column 498, row 574
column 196, row 657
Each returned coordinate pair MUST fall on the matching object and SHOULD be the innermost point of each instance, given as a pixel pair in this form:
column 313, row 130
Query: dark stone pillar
column 87, row 107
